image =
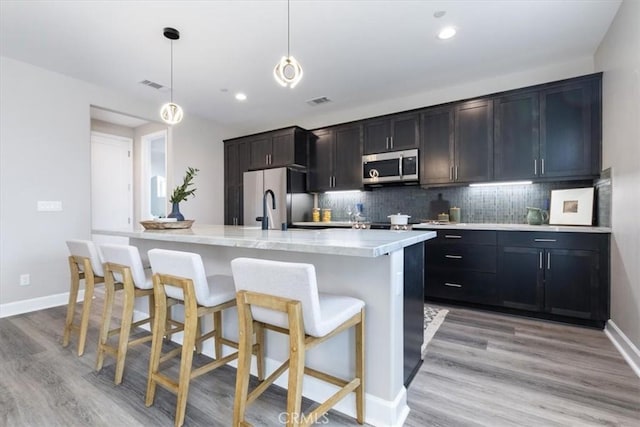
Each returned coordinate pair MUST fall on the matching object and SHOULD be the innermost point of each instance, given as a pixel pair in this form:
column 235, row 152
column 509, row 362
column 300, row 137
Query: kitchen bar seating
column 283, row 297
column 181, row 276
column 123, row 271
column 85, row 262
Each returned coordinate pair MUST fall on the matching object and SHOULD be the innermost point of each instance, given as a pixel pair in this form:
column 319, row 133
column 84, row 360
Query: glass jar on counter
column 315, row 215
column 326, row 215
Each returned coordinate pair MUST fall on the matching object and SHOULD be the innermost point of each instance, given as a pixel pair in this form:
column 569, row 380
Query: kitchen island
column 383, row 268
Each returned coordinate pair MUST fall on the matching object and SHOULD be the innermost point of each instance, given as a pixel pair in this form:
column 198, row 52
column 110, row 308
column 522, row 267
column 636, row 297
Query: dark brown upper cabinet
column 570, row 129
column 553, row 132
column 335, row 158
column 391, row 133
column 284, row 147
column 517, row 136
column 457, row 143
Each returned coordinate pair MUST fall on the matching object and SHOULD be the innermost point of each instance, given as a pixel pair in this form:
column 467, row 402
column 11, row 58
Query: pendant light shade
column 171, row 113
column 288, row 72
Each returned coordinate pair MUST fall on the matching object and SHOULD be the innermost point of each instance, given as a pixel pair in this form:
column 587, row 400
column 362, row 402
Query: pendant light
column 171, row 113
column 288, row 72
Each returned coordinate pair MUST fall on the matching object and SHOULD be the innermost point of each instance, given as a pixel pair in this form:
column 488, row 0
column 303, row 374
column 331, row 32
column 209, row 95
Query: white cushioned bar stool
column 283, row 297
column 181, row 276
column 123, row 271
column 85, row 263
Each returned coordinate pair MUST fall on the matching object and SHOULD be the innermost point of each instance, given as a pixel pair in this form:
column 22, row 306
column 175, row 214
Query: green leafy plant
column 182, row 192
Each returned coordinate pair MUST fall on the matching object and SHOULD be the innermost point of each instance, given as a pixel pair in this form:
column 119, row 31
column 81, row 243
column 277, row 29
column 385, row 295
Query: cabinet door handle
column 452, row 236
column 400, row 159
column 542, row 167
column 452, row 285
column 330, row 181
column 540, row 253
column 535, row 167
column 386, row 142
column 456, row 174
column 391, row 141
column 451, row 173
column 453, row 256
column 548, row 260
column 266, row 159
column 334, row 181
column 544, row 240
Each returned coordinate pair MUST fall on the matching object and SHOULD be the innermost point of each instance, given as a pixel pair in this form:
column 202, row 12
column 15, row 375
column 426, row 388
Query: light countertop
column 361, row 243
column 514, row 227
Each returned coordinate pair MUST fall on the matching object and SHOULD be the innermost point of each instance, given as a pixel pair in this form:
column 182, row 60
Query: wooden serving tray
column 160, row 225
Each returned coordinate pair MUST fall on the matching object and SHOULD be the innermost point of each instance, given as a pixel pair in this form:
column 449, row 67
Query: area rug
column 433, row 318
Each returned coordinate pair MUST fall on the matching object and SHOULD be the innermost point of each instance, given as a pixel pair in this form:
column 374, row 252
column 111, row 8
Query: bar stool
column 283, row 297
column 85, row 263
column 181, row 276
column 123, row 271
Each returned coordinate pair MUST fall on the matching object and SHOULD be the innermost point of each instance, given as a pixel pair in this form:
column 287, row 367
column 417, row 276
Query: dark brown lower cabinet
column 552, row 275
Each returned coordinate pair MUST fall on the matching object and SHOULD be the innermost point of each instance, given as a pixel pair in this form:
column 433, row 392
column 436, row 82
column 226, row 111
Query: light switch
column 49, row 205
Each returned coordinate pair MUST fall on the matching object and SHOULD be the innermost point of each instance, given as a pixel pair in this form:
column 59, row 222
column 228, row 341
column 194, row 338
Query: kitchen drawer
column 454, row 236
column 462, row 256
column 550, row 239
column 466, row 286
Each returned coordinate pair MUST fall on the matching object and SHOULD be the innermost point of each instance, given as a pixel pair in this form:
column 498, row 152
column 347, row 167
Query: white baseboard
column 624, row 345
column 35, row 304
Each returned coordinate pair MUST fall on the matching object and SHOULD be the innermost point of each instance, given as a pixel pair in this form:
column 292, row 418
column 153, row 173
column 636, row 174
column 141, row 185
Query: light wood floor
column 481, row 369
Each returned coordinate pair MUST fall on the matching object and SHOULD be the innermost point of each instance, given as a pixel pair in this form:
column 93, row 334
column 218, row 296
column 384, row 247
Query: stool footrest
column 166, row 382
column 213, row 365
column 330, row 402
column 267, row 382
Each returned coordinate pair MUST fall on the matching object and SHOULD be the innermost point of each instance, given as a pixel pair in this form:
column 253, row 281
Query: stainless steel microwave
column 396, row 166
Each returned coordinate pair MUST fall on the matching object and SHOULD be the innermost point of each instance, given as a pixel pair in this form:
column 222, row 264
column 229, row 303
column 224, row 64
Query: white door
column 111, row 185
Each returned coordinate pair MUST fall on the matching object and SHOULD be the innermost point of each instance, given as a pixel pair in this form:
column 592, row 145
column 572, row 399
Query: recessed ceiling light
column 439, row 13
column 241, row 96
column 446, row 33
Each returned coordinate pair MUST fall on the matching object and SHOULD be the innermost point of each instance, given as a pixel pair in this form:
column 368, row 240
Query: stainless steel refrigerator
column 292, row 202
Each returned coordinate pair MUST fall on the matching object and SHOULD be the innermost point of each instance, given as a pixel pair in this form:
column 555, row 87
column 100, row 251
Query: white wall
column 499, row 83
column 619, row 57
column 45, row 155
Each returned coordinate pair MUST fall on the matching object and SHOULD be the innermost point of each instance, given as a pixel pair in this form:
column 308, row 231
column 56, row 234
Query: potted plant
column 181, row 193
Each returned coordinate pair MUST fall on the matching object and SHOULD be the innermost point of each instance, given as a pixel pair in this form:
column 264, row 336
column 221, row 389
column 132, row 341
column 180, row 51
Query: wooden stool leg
column 217, row 335
column 89, row 285
column 109, row 295
column 199, row 333
column 245, row 344
column 360, row 369
column 159, row 325
column 296, row 364
column 191, row 323
column 73, row 298
column 260, row 349
column 125, row 327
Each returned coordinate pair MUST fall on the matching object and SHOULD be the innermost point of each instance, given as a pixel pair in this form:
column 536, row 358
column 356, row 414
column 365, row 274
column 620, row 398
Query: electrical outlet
column 25, row 280
column 49, row 206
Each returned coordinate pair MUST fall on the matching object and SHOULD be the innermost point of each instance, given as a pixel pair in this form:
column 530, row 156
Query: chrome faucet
column 265, row 217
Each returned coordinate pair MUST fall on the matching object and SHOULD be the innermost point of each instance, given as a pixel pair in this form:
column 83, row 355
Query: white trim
column 35, row 304
column 624, row 345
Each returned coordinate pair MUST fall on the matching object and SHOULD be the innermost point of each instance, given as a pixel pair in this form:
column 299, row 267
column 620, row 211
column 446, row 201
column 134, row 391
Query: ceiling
column 354, row 52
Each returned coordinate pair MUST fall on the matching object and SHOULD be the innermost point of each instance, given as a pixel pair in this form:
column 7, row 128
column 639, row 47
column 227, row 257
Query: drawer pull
column 452, row 285
column 453, row 256
column 452, row 236
column 544, row 240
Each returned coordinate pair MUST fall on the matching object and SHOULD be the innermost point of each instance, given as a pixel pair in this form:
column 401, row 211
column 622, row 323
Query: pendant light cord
column 288, row 29
column 172, row 71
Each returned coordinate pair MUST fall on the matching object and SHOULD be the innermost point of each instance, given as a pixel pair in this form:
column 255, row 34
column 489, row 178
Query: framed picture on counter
column 571, row 207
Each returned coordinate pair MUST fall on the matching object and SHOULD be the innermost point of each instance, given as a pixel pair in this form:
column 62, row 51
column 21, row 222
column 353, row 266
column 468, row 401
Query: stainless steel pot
column 399, row 219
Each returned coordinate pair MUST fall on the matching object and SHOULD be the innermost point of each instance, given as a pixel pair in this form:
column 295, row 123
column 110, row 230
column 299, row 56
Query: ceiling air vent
column 318, row 101
column 151, row 84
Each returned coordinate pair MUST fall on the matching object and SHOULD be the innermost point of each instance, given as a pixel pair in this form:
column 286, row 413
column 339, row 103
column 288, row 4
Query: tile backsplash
column 494, row 204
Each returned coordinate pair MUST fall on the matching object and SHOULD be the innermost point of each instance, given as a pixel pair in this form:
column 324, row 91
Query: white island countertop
column 349, row 242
